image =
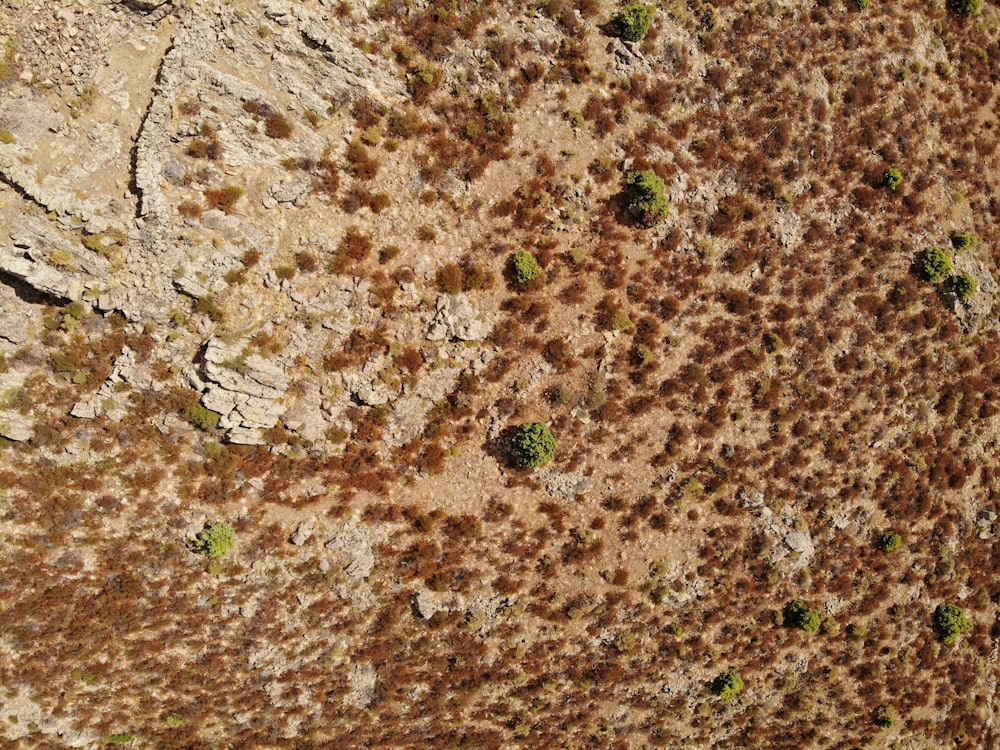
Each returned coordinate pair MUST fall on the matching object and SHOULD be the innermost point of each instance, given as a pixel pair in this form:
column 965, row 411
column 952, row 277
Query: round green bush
column 935, row 265
column 525, row 267
column 799, row 615
column 647, row 197
column 950, row 622
column 963, row 241
column 965, row 8
column 632, row 24
column 892, row 178
column 963, row 285
column 890, row 541
column 217, row 540
column 534, row 445
column 727, row 685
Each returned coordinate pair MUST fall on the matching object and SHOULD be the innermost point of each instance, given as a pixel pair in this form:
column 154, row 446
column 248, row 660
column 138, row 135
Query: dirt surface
column 258, row 269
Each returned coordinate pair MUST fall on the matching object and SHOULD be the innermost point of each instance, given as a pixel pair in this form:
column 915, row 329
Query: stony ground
column 256, row 269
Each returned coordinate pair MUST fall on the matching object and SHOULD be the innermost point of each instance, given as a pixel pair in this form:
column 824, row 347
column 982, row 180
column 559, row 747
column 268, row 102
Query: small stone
column 302, row 533
column 426, row 607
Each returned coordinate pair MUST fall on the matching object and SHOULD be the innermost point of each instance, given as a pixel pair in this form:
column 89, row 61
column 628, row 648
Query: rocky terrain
column 258, row 267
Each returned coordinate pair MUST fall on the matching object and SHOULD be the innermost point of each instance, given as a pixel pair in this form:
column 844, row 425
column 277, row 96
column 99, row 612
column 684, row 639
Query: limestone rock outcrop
column 245, row 389
column 456, row 318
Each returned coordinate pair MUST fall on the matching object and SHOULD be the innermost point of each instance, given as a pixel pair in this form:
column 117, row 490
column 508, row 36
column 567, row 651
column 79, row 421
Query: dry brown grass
column 770, row 337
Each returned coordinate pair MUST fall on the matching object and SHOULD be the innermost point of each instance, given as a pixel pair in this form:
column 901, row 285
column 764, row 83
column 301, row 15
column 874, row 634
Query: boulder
column 799, row 541
column 16, row 427
column 456, row 318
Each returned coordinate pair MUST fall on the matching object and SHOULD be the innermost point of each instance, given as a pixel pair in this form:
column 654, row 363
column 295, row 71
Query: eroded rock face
column 146, row 5
column 122, row 372
column 16, row 427
column 60, row 200
column 456, row 318
column 245, row 389
column 121, row 167
column 40, row 276
column 14, row 326
column 376, row 384
column 354, row 544
column 799, row 541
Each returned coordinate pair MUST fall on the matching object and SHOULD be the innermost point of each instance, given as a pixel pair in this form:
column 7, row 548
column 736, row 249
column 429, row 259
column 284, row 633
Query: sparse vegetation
column 189, row 210
column 758, row 400
column 224, row 198
column 199, row 416
column 8, row 64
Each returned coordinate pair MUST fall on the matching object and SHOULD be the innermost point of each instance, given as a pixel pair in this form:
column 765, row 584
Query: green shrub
column 890, row 541
column 174, row 721
column 621, row 320
column 727, row 685
column 558, row 395
column 525, row 267
column 892, row 178
column 963, row 285
column 122, row 738
column 773, row 342
column 77, row 310
column 87, row 678
column 935, row 265
column 965, row 8
column 799, row 615
column 200, row 416
column 950, row 622
column 625, row 642
column 217, row 540
column 647, row 197
column 862, row 4
column 534, row 445
column 633, row 23
column 963, row 241
column 885, row 717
